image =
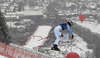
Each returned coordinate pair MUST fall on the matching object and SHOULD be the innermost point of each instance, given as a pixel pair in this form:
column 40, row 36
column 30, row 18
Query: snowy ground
column 94, row 26
column 78, row 45
column 13, row 24
column 2, row 56
column 39, row 37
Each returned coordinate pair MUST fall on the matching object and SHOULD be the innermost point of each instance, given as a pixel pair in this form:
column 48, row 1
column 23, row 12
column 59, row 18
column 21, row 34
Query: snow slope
column 94, row 26
column 77, row 45
column 38, row 38
column 80, row 47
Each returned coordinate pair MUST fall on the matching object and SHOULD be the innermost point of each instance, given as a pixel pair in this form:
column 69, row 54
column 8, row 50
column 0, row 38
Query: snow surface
column 81, row 46
column 11, row 24
column 94, row 26
column 78, row 46
column 35, row 41
column 2, row 56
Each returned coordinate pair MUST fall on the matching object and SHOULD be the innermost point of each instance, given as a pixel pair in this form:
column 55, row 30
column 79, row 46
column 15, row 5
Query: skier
column 58, row 34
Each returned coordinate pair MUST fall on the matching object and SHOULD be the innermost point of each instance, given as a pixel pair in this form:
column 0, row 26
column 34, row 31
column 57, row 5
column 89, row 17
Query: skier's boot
column 55, row 47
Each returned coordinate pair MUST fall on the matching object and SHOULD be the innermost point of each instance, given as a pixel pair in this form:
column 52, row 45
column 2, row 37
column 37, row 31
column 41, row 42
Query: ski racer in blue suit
column 58, row 34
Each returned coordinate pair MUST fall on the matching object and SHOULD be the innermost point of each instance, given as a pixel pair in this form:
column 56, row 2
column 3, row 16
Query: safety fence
column 15, row 51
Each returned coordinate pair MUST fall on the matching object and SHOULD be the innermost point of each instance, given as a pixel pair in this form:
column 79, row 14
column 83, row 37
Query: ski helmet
column 70, row 23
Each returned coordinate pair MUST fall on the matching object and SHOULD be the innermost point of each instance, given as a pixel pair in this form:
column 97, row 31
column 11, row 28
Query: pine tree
column 4, row 36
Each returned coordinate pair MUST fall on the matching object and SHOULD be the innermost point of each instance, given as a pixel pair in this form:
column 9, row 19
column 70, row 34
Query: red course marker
column 72, row 55
column 82, row 18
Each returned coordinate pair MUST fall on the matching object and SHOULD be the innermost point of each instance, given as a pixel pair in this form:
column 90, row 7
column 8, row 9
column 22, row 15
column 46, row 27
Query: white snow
column 2, row 56
column 28, row 12
column 93, row 26
column 78, row 46
column 21, row 23
column 81, row 46
column 12, row 25
column 35, row 41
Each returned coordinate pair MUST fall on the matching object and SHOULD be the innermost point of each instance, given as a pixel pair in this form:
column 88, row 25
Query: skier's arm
column 69, row 30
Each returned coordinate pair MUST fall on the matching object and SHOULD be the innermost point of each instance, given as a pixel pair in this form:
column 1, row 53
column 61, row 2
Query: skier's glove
column 72, row 36
column 62, row 35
